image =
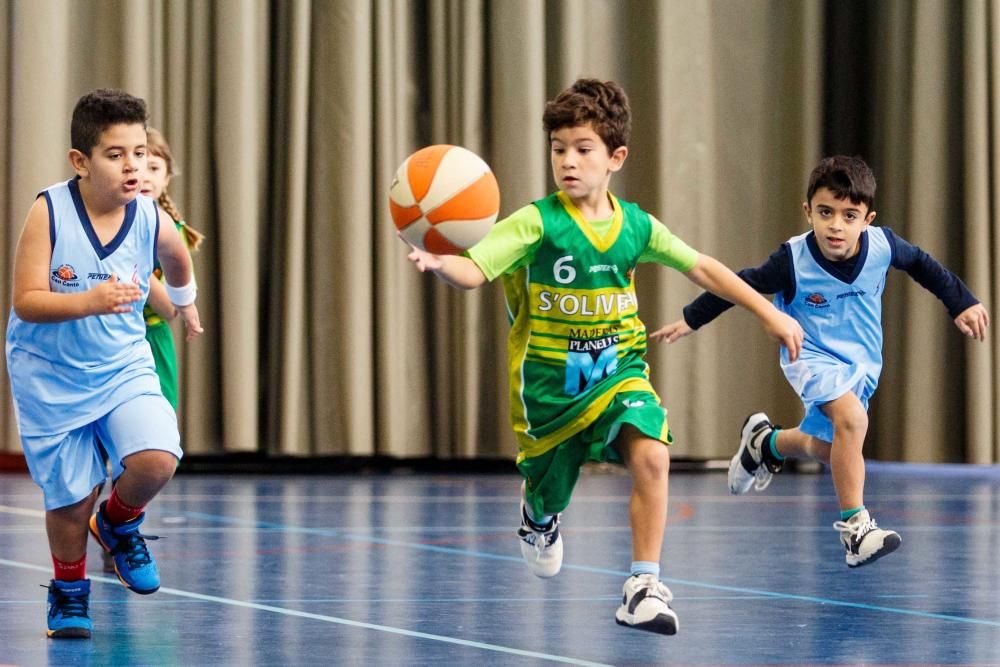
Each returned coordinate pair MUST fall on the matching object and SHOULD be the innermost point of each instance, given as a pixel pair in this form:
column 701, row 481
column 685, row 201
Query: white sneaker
column 746, row 468
column 864, row 541
column 646, row 605
column 542, row 550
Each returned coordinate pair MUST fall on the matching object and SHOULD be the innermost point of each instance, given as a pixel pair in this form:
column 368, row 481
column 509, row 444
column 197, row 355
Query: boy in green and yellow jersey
column 579, row 385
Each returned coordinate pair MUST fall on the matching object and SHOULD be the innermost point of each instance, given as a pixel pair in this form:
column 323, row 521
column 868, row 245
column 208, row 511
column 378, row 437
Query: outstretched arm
column 710, row 274
column 457, row 271
column 34, row 301
column 970, row 316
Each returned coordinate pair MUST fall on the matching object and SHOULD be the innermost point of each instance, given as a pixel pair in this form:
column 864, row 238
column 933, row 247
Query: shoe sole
column 663, row 624
column 891, row 544
column 92, row 526
column 69, row 633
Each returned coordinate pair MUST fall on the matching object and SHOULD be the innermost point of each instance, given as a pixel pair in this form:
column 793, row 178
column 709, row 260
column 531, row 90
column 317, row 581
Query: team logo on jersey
column 817, row 300
column 65, row 275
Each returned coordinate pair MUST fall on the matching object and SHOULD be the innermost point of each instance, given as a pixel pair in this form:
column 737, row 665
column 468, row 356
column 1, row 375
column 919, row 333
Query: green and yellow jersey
column 576, row 339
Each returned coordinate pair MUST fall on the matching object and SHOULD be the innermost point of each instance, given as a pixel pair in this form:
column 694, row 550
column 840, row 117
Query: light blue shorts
column 819, row 383
column 69, row 466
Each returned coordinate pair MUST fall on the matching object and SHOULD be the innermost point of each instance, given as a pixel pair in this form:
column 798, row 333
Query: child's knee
column 851, row 422
column 152, row 463
column 649, row 458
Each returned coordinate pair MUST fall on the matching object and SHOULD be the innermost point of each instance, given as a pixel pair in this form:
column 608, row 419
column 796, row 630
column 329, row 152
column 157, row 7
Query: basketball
column 444, row 199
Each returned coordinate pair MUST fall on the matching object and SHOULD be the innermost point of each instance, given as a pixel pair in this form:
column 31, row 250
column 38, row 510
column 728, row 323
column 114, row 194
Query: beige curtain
column 290, row 118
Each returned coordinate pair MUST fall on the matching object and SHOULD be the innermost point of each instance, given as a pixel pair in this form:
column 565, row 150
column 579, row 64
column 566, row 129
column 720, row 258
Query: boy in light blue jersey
column 831, row 280
column 81, row 371
column 579, row 384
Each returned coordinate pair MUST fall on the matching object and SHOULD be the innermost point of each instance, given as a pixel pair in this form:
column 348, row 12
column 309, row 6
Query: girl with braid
column 158, row 311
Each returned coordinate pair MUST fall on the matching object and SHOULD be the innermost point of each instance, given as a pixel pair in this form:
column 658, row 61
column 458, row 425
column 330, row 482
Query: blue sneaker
column 68, row 609
column 134, row 565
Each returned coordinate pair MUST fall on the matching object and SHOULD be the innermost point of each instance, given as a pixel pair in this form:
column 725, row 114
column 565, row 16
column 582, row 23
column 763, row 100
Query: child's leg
column 793, row 443
column 864, row 542
column 645, row 599
column 648, row 461
column 69, row 590
column 145, row 475
column 66, row 528
column 847, row 463
column 142, row 441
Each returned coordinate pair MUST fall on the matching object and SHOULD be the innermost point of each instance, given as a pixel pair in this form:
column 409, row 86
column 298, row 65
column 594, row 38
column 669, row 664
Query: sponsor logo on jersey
column 590, row 361
column 604, row 268
column 859, row 292
column 817, row 300
column 99, row 276
column 66, row 275
column 587, row 304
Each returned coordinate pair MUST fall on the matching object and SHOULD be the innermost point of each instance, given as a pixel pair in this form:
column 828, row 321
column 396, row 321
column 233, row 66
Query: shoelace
column 133, row 545
column 856, row 529
column 659, row 589
column 540, row 540
column 67, row 605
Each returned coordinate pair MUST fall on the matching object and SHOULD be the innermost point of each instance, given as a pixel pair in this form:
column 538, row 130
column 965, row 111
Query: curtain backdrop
column 289, row 119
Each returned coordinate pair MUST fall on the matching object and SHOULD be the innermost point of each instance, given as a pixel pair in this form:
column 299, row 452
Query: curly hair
column 100, row 109
column 601, row 104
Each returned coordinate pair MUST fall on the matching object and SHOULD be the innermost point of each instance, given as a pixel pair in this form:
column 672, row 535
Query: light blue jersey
column 68, row 374
column 842, row 321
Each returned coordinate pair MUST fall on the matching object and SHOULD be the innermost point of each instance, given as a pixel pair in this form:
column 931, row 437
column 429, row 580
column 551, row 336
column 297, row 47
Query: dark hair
column 100, row 109
column 602, row 104
column 846, row 177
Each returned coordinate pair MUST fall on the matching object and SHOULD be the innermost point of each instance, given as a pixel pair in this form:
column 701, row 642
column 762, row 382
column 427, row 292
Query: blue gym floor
column 425, row 570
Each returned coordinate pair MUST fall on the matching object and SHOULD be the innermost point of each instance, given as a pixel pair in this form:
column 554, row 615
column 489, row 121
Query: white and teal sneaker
column 747, row 468
column 864, row 541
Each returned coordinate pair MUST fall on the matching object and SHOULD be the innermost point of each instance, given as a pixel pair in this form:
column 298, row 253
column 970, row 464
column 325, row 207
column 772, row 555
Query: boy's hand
column 786, row 330
column 114, row 296
column 672, row 332
column 425, row 261
column 973, row 322
column 192, row 323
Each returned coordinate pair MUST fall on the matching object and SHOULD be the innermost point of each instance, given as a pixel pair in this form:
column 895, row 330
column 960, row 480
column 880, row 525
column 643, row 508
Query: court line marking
column 595, row 570
column 726, row 498
column 333, row 619
column 327, row 532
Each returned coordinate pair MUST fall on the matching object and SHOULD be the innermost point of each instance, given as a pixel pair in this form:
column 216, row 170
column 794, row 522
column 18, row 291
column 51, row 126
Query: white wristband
column 182, row 296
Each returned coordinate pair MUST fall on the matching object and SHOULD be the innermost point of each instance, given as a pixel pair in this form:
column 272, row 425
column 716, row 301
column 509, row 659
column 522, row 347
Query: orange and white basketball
column 444, row 199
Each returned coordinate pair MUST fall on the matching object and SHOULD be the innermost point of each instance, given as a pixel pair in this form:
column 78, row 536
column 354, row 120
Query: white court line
column 20, row 511
column 332, row 619
column 724, row 498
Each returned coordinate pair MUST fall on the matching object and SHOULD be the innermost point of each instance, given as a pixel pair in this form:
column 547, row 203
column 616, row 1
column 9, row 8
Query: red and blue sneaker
column 134, row 565
column 69, row 614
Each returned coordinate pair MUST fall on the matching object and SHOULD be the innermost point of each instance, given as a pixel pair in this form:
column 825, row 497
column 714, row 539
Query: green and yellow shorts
column 552, row 475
